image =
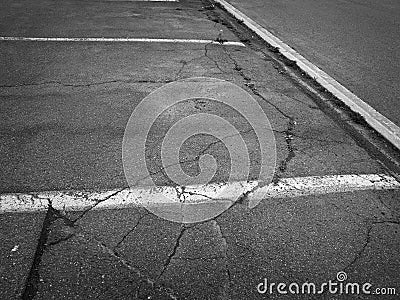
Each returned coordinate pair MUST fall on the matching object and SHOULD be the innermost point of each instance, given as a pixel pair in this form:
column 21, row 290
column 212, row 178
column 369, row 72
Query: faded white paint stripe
column 129, row 40
column 286, row 187
column 142, row 0
column 375, row 119
column 318, row 185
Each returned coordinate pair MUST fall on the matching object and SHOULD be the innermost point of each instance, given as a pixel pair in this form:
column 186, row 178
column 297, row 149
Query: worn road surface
column 64, row 109
column 355, row 42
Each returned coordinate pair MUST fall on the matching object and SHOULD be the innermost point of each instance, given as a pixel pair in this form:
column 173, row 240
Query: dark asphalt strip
column 33, row 279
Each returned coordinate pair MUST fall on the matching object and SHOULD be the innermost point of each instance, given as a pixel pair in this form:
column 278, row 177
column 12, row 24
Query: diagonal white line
column 118, row 40
column 216, row 192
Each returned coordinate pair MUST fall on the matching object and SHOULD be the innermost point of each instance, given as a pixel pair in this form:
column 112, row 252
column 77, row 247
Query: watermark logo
column 177, row 115
column 332, row 287
column 341, row 276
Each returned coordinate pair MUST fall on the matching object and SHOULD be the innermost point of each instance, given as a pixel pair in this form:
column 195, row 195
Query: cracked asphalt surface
column 353, row 41
column 64, row 108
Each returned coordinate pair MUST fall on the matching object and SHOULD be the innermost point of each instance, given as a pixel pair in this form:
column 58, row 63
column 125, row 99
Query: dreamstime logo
column 331, row 287
column 341, row 276
column 196, row 115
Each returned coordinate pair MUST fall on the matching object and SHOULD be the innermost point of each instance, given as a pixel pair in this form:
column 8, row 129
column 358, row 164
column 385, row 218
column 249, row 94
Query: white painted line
column 318, row 185
column 286, row 187
column 130, row 40
column 376, row 120
column 142, row 0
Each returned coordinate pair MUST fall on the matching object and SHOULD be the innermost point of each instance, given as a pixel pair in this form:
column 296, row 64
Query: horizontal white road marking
column 286, row 187
column 318, row 185
column 103, row 39
column 376, row 120
column 142, row 0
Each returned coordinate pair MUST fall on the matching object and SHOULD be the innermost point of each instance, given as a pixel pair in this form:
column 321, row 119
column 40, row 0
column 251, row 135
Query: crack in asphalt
column 61, row 240
column 250, row 84
column 119, row 243
column 368, row 238
column 362, row 217
column 32, row 198
column 163, row 168
column 313, row 138
column 173, row 252
column 33, row 279
column 66, row 222
column 362, row 250
column 98, row 201
column 289, row 135
column 128, row 265
column 180, row 193
column 291, row 151
column 224, row 245
column 383, row 203
column 185, row 64
column 291, row 124
column 198, row 194
column 199, row 258
column 219, row 141
column 224, row 255
column 218, row 19
column 206, row 54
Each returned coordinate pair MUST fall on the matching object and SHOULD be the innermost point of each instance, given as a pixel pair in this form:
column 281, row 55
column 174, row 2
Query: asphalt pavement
column 64, row 109
column 355, row 42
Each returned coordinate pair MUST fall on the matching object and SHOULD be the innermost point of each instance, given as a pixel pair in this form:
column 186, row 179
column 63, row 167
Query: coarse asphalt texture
column 65, row 106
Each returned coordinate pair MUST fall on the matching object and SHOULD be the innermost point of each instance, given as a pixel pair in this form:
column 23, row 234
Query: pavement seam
column 33, row 279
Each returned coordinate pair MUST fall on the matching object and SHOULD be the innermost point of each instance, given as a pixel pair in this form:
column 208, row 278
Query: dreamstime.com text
column 340, row 287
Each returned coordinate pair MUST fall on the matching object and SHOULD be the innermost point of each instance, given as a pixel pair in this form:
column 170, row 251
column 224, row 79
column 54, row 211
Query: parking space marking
column 141, row 0
column 319, row 185
column 134, row 197
column 130, row 40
